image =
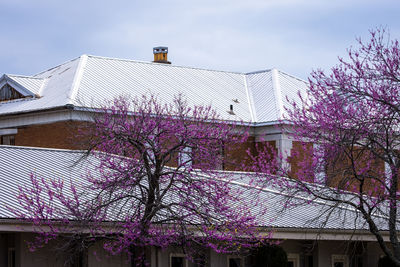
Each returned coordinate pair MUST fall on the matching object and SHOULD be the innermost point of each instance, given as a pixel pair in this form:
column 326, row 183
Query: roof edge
column 77, row 79
column 41, row 148
column 162, row 64
column 58, row 65
column 16, row 85
column 276, row 87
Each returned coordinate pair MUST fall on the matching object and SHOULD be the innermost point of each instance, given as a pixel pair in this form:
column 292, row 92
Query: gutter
column 65, row 107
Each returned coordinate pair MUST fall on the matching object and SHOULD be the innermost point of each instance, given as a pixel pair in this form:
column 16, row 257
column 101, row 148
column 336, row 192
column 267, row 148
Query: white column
column 320, row 175
column 284, row 146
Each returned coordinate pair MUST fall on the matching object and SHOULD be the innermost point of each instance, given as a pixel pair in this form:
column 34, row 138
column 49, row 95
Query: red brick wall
column 340, row 173
column 53, row 135
column 298, row 158
column 236, row 154
column 66, row 135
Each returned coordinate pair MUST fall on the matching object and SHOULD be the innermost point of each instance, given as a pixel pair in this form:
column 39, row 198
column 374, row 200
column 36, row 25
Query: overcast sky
column 235, row 35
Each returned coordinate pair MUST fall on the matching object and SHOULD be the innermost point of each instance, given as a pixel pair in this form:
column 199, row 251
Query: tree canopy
column 158, row 182
column 348, row 123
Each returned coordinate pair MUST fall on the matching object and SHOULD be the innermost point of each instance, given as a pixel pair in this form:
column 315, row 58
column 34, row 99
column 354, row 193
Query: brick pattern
column 53, row 135
column 340, row 173
column 67, row 135
column 298, row 159
column 236, row 155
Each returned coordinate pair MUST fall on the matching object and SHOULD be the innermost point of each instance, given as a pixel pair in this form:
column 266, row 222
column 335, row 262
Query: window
column 234, row 261
column 339, row 261
column 178, row 260
column 11, row 257
column 185, row 156
column 8, row 140
column 293, row 260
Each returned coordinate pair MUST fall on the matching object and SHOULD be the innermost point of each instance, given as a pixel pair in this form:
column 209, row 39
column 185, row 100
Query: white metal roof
column 91, row 80
column 19, row 162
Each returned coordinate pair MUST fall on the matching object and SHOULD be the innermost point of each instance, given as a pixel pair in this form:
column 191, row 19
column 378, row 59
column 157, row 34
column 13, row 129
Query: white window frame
column 185, row 156
column 180, row 255
column 340, row 258
column 295, row 258
column 234, row 257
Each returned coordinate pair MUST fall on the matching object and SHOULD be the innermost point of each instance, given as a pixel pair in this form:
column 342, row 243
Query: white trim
column 178, row 255
column 44, row 118
column 284, row 147
column 337, row 258
column 253, row 114
column 277, row 91
column 185, row 156
column 15, row 226
column 295, row 258
column 320, row 177
column 16, row 86
column 8, row 131
column 77, row 79
column 161, row 64
column 43, row 85
column 234, row 257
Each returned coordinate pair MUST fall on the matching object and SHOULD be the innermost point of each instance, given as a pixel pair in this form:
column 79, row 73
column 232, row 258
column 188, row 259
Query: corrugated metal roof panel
column 290, row 87
column 19, row 162
column 261, row 86
column 54, row 93
column 32, row 84
column 89, row 81
column 106, row 78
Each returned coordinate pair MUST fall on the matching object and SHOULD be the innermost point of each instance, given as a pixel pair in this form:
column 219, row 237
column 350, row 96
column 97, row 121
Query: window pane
column 338, row 264
column 8, row 140
column 177, row 262
column 235, row 262
column 290, row 264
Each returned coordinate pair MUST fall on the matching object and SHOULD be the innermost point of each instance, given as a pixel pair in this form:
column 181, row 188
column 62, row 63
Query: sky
column 295, row 36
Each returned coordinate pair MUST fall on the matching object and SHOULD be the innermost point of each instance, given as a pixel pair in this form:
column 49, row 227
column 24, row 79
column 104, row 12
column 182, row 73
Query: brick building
column 41, row 115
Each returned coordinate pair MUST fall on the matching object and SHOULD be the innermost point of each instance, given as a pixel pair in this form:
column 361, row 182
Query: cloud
column 293, row 35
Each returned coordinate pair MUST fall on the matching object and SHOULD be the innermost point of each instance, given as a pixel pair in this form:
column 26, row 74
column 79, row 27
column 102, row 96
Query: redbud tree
column 158, row 183
column 349, row 123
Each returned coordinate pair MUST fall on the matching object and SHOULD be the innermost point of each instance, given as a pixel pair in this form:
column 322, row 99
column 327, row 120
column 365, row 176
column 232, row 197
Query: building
column 40, row 114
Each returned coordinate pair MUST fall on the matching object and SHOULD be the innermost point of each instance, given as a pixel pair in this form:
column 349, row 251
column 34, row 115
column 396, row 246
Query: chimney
column 160, row 54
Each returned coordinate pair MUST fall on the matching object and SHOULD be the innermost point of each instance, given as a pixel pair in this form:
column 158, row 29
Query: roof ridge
column 24, row 76
column 52, row 68
column 276, row 87
column 41, row 148
column 249, row 95
column 292, row 76
column 6, row 79
column 258, row 71
column 77, row 78
column 163, row 64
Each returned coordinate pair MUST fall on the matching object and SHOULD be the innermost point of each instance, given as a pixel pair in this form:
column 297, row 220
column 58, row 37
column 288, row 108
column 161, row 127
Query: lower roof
column 18, row 163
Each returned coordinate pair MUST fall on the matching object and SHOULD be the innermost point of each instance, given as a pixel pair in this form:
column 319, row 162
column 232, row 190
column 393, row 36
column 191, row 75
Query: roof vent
column 231, row 110
column 161, row 54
